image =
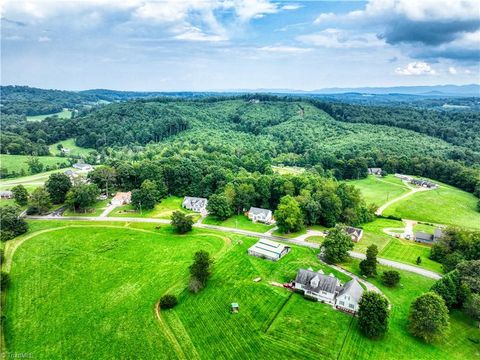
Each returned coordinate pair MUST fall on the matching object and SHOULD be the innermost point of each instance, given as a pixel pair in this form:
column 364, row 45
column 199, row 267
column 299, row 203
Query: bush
column 181, row 222
column 391, row 278
column 168, row 301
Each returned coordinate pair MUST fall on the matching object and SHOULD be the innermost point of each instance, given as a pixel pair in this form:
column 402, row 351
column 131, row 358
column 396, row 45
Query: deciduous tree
column 11, row 224
column 181, row 222
column 39, row 202
column 57, row 186
column 428, row 318
column 336, row 245
column 288, row 215
column 20, row 194
column 373, row 314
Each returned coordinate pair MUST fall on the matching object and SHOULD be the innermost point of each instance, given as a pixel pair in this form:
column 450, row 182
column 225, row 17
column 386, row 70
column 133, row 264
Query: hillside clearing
column 64, row 114
column 69, row 144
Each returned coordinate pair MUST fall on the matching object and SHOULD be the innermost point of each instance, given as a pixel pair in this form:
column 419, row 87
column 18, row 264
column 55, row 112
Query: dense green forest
column 252, row 132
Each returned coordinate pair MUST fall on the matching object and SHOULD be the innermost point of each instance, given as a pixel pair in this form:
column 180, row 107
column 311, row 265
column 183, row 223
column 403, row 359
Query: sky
column 197, row 45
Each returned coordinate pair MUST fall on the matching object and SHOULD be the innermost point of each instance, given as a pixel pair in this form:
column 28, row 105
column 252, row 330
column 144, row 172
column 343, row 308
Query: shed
column 235, row 307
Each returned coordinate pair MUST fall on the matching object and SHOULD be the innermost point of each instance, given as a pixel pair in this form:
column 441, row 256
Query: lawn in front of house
column 96, row 210
column 162, row 210
column 238, row 222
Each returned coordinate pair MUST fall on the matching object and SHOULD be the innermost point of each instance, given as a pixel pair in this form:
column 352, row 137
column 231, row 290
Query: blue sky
column 238, row 44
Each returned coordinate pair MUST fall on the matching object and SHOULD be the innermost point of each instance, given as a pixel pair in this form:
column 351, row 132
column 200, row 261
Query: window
column 351, row 306
column 341, row 303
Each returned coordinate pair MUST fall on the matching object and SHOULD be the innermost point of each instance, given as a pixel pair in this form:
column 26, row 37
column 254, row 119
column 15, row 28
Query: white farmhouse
column 195, row 204
column 260, row 215
column 316, row 285
column 349, row 297
column 83, row 167
column 270, row 250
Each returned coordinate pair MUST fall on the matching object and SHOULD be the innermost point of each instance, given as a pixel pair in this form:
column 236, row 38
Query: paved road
column 400, row 266
column 353, row 254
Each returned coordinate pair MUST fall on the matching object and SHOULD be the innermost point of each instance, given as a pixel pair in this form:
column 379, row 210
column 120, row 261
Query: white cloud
column 251, row 9
column 452, row 70
column 341, row 39
column 44, row 39
column 285, row 49
column 196, row 34
column 291, row 7
column 416, row 68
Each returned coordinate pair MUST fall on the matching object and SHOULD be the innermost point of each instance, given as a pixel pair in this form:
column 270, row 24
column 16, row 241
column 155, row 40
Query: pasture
column 238, row 222
column 30, row 182
column 445, row 205
column 88, row 290
column 69, row 144
column 64, row 114
column 379, row 190
column 17, row 164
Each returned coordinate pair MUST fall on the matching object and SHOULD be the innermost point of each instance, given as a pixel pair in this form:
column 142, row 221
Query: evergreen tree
column 368, row 266
column 201, row 269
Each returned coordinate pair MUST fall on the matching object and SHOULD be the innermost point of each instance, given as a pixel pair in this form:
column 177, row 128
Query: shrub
column 181, row 222
column 194, row 285
column 168, row 301
column 391, row 278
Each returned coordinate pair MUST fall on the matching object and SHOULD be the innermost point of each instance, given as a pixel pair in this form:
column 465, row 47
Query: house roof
column 82, row 166
column 353, row 289
column 259, row 211
column 268, row 248
column 194, row 200
column 122, row 195
column 353, row 231
column 325, row 282
column 423, row 236
column 6, row 193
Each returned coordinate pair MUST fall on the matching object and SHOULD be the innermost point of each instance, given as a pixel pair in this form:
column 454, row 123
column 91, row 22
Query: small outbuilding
column 375, row 171
column 355, row 234
column 83, row 167
column 235, row 307
column 267, row 249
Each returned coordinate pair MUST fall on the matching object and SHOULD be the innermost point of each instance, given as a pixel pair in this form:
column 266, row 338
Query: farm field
column 113, row 274
column 392, row 248
column 238, row 222
column 18, row 163
column 64, row 114
column 30, row 182
column 70, row 144
column 163, row 210
column 380, row 190
column 445, row 205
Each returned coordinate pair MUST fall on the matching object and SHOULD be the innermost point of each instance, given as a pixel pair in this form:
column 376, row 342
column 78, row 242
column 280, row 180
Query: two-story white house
column 195, row 204
column 317, row 285
column 349, row 296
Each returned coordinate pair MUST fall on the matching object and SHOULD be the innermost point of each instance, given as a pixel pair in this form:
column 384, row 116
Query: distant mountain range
column 431, row 90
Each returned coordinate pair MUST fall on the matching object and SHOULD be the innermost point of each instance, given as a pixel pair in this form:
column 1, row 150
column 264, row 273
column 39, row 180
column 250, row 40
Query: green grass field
column 445, row 205
column 377, row 190
column 65, row 114
column 70, row 144
column 238, row 222
column 30, row 182
column 163, row 210
column 398, row 343
column 17, row 163
column 395, row 249
column 88, row 290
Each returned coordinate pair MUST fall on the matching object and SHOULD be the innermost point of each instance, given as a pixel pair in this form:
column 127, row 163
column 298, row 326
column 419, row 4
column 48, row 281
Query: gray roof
column 268, row 247
column 423, row 236
column 438, row 233
column 325, row 283
column 194, row 200
column 6, row 193
column 352, row 288
column 353, row 231
column 259, row 211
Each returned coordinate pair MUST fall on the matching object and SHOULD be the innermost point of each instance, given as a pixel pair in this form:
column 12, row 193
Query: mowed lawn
column 30, row 182
column 17, row 163
column 70, row 144
column 377, row 190
column 96, row 210
column 64, row 114
column 162, row 210
column 401, row 250
column 89, row 291
column 445, row 205
column 238, row 222
column 398, row 343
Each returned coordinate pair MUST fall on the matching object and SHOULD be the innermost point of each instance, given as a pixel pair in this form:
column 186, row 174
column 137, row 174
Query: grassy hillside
column 17, row 163
column 64, row 114
column 30, row 182
column 70, row 144
column 445, row 205
column 378, row 191
column 95, row 289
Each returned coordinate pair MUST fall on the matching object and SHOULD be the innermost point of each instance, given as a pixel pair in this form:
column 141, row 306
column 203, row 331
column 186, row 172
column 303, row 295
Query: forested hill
column 254, row 131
